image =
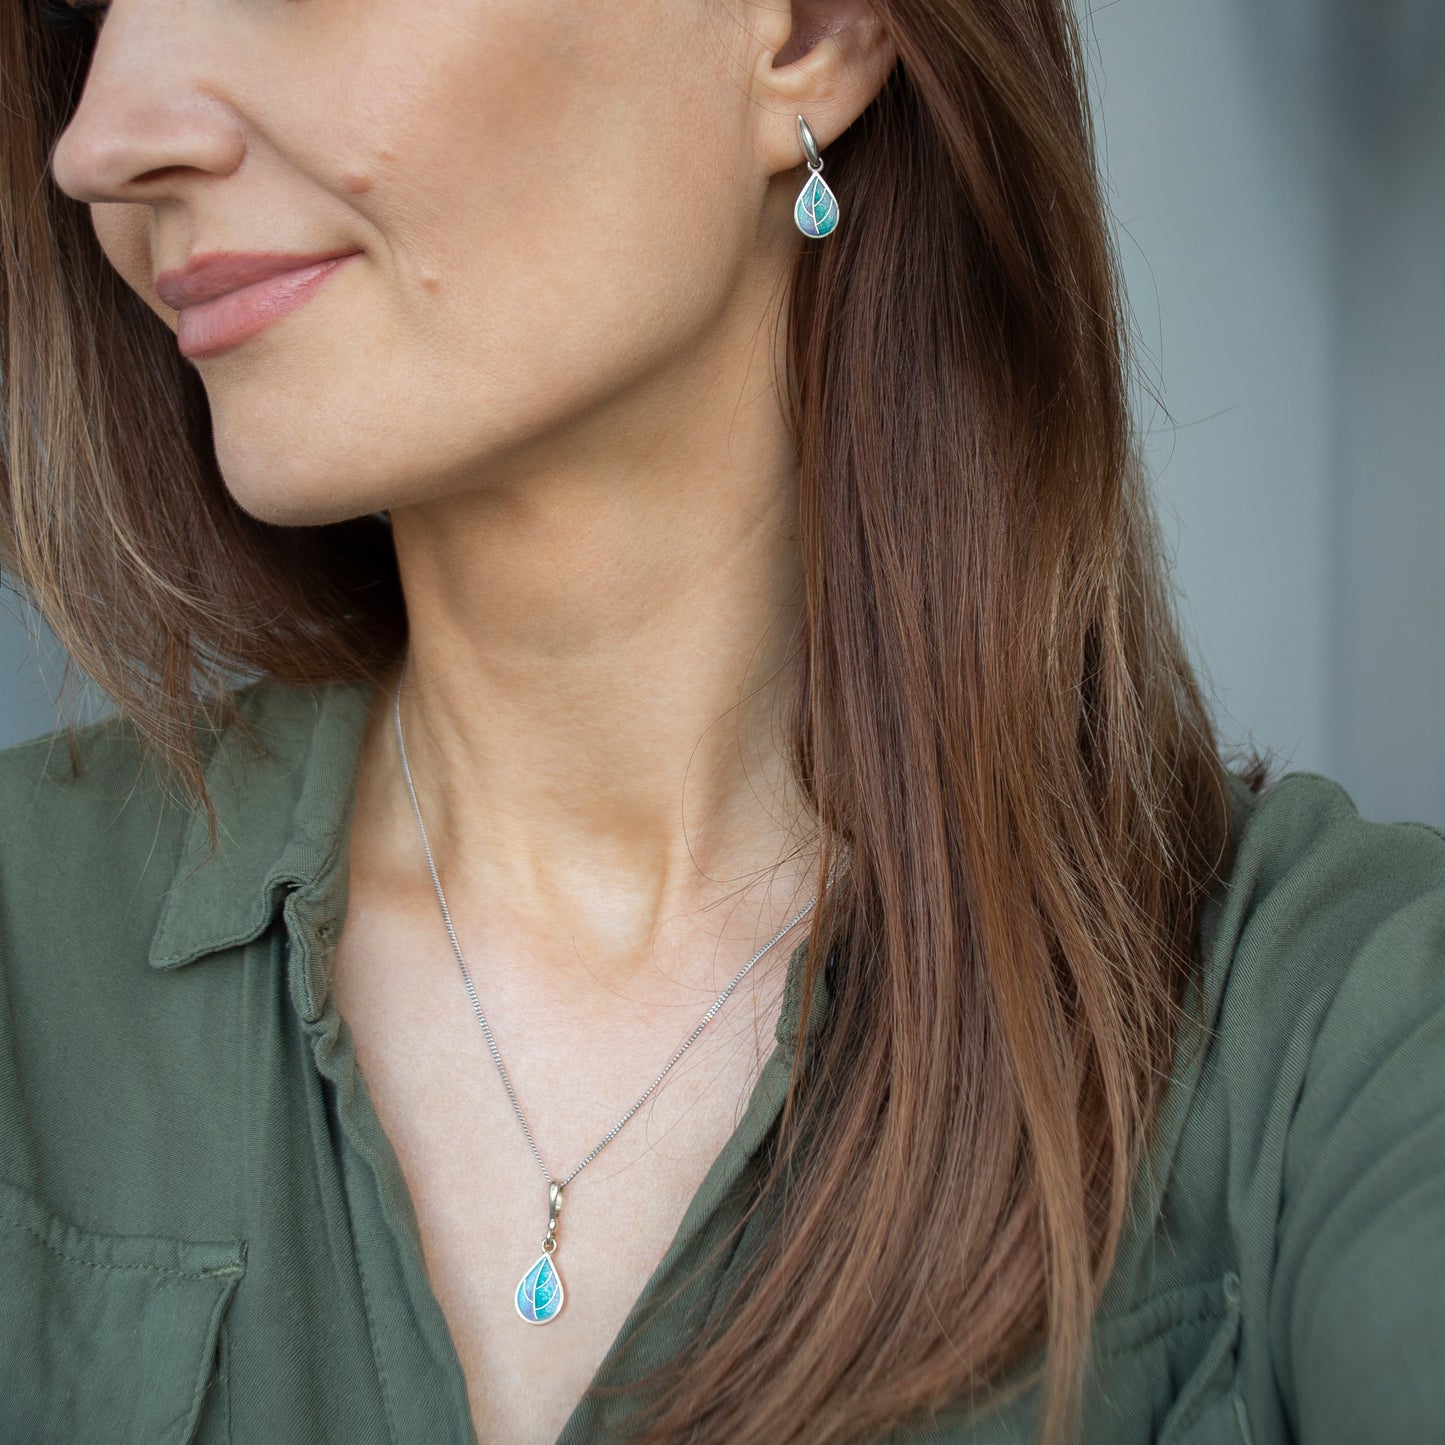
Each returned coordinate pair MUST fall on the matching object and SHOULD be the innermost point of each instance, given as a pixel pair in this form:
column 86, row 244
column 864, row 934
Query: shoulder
column 48, row 781
column 79, row 808
column 90, row 826
column 1326, row 950
column 1324, row 908
column 97, row 769
column 1306, row 825
column 1323, row 1111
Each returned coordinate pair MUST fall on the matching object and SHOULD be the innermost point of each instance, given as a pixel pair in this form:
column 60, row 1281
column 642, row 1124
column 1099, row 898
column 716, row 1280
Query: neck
column 591, row 716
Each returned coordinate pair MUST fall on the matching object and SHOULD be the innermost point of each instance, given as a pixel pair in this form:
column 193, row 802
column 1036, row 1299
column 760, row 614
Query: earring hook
column 810, row 145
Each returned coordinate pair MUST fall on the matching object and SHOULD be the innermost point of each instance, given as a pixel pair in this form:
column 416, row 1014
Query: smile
column 209, row 327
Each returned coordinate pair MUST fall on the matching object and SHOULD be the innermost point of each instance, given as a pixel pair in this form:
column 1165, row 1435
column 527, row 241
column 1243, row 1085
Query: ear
column 822, row 59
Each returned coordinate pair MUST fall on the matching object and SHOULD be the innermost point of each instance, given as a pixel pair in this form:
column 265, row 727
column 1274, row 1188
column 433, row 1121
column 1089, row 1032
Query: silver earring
column 816, row 209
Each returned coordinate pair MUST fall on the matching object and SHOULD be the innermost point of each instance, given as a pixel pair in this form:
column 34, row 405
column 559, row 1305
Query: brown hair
column 995, row 716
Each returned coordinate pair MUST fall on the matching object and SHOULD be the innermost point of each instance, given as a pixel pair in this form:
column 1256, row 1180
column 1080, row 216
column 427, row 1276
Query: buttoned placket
column 410, row 1337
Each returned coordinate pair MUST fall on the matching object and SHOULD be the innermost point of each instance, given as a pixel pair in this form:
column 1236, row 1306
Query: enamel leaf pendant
column 539, row 1295
column 816, row 209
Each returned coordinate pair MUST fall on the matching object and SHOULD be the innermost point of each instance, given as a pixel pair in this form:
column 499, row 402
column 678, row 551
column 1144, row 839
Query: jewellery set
column 539, row 1294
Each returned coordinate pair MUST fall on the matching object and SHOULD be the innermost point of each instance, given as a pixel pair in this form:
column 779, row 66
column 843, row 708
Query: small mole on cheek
column 356, row 183
column 430, row 281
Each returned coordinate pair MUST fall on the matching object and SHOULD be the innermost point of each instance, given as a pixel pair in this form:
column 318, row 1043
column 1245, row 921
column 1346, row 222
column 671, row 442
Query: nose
column 152, row 117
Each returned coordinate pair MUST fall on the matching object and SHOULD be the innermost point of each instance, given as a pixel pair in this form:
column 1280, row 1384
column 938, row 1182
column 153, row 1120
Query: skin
column 556, row 365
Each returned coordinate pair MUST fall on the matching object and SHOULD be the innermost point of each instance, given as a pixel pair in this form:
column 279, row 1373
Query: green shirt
column 205, row 1234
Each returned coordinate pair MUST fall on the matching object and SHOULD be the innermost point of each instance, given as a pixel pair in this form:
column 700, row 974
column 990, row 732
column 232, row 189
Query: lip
column 226, row 297
column 215, row 273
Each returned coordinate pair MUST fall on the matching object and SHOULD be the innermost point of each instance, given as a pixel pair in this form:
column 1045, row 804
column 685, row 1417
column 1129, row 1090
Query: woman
column 582, row 598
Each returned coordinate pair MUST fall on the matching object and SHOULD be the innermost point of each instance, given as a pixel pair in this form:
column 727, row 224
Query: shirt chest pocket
column 106, row 1337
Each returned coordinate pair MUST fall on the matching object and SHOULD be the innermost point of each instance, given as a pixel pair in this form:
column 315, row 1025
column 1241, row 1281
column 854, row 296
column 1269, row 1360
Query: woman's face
column 554, row 207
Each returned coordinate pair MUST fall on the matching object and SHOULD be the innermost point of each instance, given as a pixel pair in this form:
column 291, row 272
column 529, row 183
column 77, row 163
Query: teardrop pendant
column 816, row 209
column 539, row 1295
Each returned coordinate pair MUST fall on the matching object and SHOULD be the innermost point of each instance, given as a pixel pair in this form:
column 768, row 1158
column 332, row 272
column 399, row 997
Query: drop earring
column 816, row 209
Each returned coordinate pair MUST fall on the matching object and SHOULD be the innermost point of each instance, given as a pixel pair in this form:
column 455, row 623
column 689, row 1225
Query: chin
column 294, row 511
column 284, row 500
column 288, row 485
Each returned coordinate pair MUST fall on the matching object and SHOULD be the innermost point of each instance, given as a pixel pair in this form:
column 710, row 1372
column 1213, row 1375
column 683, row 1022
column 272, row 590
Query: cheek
column 551, row 188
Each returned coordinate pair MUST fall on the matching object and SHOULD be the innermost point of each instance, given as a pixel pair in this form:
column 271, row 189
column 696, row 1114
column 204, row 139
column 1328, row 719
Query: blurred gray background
column 1276, row 171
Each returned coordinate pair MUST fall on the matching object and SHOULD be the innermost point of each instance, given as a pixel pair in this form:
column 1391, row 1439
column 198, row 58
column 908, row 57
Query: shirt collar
column 281, row 815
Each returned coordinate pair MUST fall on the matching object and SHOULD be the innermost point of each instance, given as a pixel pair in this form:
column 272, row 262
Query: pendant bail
column 554, row 1208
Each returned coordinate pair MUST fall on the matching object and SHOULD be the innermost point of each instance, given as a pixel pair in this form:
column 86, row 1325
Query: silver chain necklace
column 539, row 1294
